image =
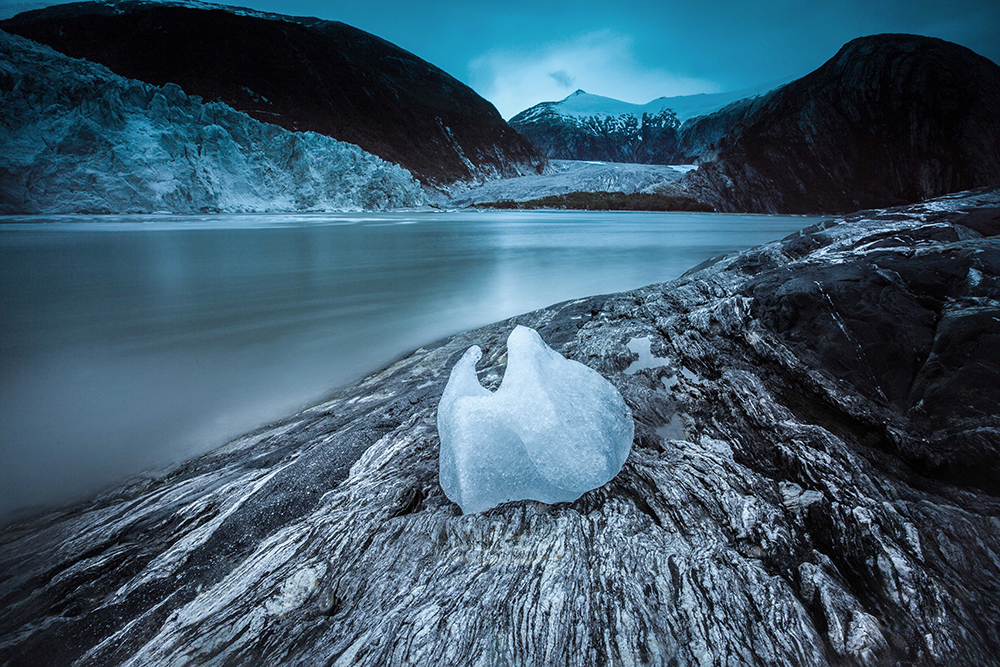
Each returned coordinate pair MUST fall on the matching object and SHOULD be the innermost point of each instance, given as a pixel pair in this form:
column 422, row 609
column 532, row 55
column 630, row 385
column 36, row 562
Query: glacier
column 563, row 177
column 76, row 138
column 552, row 431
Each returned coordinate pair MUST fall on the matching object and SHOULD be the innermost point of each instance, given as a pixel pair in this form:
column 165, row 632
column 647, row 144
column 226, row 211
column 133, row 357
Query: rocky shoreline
column 813, row 481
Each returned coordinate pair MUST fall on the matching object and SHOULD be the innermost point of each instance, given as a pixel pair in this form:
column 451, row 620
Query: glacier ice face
column 76, row 138
column 554, row 430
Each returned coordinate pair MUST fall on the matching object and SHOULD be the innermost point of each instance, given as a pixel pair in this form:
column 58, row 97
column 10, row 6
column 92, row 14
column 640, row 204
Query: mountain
column 76, row 138
column 298, row 73
column 890, row 119
column 814, row 481
column 591, row 127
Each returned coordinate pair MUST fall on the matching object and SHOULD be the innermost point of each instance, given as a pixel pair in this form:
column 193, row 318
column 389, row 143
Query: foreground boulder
column 806, row 486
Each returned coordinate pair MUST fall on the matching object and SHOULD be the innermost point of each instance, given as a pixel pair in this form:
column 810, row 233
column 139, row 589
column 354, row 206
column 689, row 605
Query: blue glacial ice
column 76, row 138
column 554, row 430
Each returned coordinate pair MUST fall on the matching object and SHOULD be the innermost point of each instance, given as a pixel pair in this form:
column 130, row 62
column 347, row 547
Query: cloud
column 603, row 63
column 563, row 78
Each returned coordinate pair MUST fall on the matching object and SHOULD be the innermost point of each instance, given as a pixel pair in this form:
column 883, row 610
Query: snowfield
column 76, row 138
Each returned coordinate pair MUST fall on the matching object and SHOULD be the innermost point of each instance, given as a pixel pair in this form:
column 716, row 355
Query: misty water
column 128, row 343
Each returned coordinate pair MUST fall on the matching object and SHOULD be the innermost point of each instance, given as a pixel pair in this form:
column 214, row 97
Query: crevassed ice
column 76, row 138
column 554, row 430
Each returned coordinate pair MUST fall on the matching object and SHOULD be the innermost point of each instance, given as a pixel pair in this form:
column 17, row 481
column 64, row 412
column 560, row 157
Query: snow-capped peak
column 581, row 104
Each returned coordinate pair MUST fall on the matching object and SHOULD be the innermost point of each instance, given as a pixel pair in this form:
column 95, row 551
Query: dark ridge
column 889, row 120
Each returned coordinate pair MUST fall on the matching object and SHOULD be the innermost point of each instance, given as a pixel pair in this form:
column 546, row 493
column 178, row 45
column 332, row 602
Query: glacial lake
column 132, row 342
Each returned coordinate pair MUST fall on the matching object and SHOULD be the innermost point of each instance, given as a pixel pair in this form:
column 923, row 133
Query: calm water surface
column 136, row 341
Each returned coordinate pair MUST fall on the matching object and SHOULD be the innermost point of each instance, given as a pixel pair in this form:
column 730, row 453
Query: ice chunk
column 554, row 430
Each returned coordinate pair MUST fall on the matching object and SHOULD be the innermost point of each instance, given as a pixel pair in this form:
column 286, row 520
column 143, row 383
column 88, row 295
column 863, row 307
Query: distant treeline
column 605, row 201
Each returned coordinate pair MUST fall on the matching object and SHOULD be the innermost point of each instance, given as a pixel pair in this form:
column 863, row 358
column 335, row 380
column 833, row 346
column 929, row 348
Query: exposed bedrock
column 811, row 482
column 918, row 334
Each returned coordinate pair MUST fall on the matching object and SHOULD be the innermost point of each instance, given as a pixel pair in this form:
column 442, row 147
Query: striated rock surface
column 889, row 120
column 75, row 138
column 299, row 73
column 810, row 483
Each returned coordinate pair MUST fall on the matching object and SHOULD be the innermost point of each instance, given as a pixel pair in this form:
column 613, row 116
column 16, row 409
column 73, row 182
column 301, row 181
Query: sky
column 519, row 52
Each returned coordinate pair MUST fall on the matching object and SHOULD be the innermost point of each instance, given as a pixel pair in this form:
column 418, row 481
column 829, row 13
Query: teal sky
column 519, row 53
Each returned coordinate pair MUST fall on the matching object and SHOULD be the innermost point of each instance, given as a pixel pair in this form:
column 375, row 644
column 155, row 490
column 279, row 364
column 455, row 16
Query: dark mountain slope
column 890, row 119
column 300, row 73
